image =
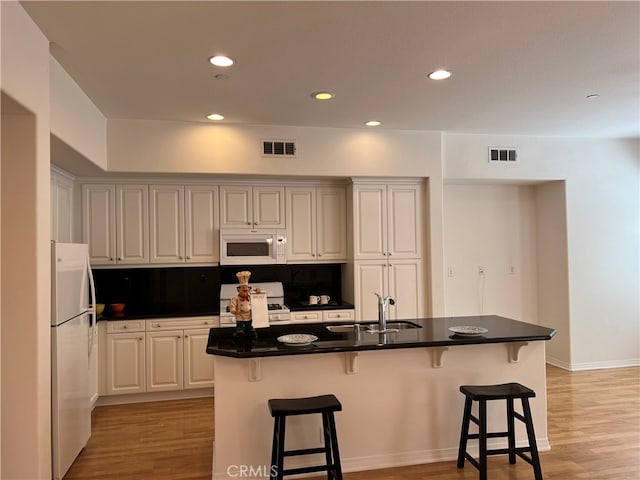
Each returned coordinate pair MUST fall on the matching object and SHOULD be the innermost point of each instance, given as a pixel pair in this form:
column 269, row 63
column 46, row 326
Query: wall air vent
column 278, row 148
column 503, row 155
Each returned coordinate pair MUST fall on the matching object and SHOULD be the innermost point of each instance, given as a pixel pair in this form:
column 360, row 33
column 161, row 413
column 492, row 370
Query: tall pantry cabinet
column 387, row 247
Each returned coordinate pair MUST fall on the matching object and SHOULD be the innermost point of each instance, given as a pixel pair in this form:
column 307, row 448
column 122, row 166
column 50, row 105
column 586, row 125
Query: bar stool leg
column 535, row 458
column 511, row 431
column 464, row 433
column 281, row 430
column 274, row 450
column 334, row 445
column 482, row 440
column 327, row 444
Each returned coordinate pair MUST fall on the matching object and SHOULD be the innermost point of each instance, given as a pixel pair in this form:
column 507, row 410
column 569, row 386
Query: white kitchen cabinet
column 61, row 207
column 166, row 228
column 164, row 360
column 94, row 347
column 183, row 224
column 202, row 224
column 198, row 364
column 99, row 222
column 402, row 279
column 132, row 229
column 388, row 221
column 125, row 363
column 309, row 316
column 179, row 359
column 252, row 206
column 338, row 315
column 317, row 225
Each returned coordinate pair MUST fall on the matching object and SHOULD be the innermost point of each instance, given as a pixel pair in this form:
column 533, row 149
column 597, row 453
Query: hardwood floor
column 593, row 426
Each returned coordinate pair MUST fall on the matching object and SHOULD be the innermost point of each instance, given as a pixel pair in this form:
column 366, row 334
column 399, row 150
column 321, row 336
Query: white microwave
column 252, row 247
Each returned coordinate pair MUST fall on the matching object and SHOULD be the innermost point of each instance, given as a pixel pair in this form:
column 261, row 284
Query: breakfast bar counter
column 399, row 390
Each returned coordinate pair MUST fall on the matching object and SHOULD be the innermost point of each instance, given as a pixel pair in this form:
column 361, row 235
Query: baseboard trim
column 403, row 459
column 153, row 397
column 576, row 367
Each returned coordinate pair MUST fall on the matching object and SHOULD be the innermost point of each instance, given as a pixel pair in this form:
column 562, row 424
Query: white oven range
column 279, row 313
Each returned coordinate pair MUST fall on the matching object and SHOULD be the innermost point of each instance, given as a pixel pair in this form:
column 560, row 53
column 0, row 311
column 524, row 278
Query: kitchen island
column 399, row 390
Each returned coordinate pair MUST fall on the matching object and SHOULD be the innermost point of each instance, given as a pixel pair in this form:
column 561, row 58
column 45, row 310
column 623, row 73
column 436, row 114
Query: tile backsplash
column 196, row 290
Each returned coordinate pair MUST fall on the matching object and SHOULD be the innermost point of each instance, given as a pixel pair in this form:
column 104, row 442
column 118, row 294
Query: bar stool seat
column 508, row 392
column 282, row 408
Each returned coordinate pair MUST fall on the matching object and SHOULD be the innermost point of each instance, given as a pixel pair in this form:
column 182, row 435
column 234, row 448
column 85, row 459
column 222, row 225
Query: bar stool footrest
column 315, row 468
column 303, row 451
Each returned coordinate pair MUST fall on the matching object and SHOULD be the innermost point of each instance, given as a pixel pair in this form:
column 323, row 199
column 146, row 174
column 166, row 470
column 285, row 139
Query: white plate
column 297, row 339
column 468, row 331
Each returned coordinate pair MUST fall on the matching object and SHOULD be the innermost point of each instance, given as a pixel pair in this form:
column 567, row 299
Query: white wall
column 603, row 228
column 553, row 265
column 75, row 119
column 25, row 263
column 493, row 226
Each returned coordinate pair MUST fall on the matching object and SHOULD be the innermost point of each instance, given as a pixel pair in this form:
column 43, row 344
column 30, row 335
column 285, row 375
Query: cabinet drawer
column 306, row 316
column 180, row 323
column 123, row 326
column 338, row 315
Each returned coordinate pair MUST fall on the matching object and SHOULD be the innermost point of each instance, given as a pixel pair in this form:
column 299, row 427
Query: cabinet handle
column 140, row 338
column 389, row 253
column 178, row 336
column 206, row 323
column 384, row 253
column 248, row 223
column 119, row 259
column 319, row 254
column 188, row 258
column 186, row 336
column 124, row 326
column 111, row 259
column 255, row 223
column 180, row 257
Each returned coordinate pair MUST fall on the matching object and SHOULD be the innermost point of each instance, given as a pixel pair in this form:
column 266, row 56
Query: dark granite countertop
column 430, row 332
column 144, row 316
column 304, row 307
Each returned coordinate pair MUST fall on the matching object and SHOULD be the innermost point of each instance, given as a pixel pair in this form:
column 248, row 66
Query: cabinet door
column 268, row 207
column 331, row 224
column 406, row 284
column 404, row 204
column 132, row 207
column 370, row 222
column 99, row 222
column 93, row 365
column 236, row 207
column 164, row 360
column 125, row 363
column 202, row 236
column 61, row 208
column 370, row 277
column 166, row 232
column 198, row 364
column 301, row 221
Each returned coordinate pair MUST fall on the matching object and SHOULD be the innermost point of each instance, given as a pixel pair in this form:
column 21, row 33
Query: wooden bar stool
column 282, row 408
column 508, row 392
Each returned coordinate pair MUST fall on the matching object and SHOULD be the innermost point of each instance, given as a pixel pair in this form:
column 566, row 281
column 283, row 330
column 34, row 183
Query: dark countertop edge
column 109, row 318
column 329, row 306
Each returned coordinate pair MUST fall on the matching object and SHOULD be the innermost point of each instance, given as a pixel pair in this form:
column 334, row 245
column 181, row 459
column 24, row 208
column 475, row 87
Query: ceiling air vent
column 278, row 148
column 503, row 155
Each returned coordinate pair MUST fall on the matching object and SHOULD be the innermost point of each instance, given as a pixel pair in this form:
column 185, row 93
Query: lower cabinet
column 158, row 355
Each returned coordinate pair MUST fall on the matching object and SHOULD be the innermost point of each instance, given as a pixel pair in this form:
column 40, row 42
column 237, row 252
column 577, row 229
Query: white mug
column 313, row 300
column 324, row 299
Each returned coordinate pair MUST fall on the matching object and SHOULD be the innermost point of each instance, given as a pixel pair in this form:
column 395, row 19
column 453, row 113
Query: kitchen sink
column 371, row 327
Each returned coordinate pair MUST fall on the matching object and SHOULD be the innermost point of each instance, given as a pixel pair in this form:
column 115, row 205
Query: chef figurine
column 240, row 305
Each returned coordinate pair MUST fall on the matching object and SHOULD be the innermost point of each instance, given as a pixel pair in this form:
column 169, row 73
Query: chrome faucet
column 383, row 303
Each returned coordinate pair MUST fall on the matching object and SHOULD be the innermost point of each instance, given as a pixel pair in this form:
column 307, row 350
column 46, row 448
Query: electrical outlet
column 480, row 270
column 512, row 270
column 449, row 271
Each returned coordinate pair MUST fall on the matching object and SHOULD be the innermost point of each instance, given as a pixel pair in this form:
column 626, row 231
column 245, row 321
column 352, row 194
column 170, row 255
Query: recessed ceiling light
column 322, row 95
column 221, row 61
column 440, row 75
column 373, row 123
column 591, row 96
column 215, row 116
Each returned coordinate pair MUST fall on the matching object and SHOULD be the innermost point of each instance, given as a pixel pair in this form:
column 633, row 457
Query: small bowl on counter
column 117, row 309
column 99, row 309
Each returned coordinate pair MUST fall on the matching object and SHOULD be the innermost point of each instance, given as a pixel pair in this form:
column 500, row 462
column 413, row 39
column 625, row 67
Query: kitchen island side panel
column 397, row 408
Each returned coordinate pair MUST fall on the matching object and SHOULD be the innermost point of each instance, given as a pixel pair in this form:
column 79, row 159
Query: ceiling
column 518, row 67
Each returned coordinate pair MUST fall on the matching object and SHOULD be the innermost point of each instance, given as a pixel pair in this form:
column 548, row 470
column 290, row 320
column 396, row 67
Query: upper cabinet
column 388, row 220
column 61, row 208
column 99, row 222
column 252, row 207
column 132, row 223
column 317, row 225
column 161, row 224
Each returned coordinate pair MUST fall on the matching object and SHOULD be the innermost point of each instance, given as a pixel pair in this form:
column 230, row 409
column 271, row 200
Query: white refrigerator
column 72, row 323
